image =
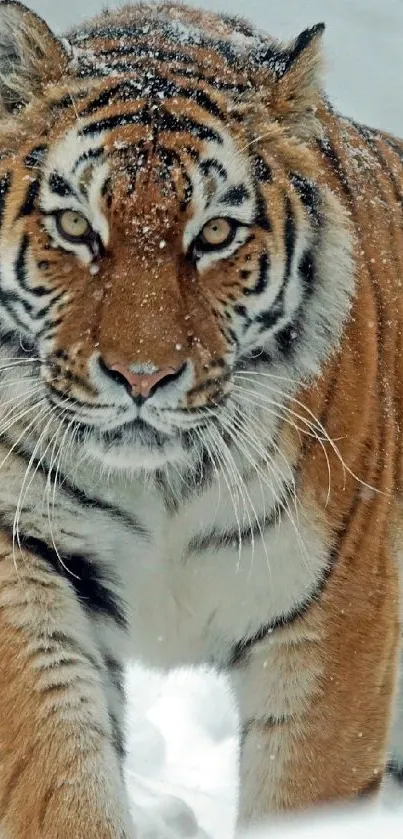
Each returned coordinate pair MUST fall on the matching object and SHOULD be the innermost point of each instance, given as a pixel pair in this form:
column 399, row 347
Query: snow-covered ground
column 182, row 729
column 183, row 743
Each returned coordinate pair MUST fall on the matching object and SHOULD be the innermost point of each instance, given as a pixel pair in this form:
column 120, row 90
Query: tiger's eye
column 73, row 226
column 217, row 232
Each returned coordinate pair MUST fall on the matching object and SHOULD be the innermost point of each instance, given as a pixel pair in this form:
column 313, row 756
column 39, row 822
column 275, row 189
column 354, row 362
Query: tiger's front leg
column 315, row 702
column 60, row 774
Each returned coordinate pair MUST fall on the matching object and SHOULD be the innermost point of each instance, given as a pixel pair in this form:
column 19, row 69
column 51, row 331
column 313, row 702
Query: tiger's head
column 164, row 231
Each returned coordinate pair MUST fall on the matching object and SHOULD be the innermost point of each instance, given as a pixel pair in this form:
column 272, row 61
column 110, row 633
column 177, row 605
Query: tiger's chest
column 183, row 586
column 200, row 582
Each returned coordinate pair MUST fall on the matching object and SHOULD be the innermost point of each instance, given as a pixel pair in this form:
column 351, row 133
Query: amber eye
column 73, row 226
column 217, row 233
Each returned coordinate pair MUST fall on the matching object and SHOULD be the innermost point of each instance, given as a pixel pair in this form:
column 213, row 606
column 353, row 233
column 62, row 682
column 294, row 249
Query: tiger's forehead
column 211, row 175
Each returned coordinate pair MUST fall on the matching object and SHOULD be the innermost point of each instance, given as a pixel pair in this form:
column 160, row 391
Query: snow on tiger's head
column 164, row 231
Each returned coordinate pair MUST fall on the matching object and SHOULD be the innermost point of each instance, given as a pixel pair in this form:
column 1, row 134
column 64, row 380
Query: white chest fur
column 192, row 589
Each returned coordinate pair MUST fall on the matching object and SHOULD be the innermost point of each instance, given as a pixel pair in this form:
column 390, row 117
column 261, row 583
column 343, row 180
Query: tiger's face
column 153, row 248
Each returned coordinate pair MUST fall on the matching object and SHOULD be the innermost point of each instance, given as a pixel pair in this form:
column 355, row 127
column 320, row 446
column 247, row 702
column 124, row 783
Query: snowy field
column 182, row 729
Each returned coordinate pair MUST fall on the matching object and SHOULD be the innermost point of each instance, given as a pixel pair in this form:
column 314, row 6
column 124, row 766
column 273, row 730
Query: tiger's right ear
column 31, row 56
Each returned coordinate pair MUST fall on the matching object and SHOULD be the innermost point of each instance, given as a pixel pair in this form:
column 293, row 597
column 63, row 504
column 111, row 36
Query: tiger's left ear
column 31, row 56
column 294, row 79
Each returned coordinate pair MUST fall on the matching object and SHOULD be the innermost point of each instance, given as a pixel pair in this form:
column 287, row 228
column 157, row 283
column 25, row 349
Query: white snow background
column 182, row 728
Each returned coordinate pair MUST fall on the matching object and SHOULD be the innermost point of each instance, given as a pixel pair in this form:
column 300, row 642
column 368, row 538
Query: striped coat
column 200, row 410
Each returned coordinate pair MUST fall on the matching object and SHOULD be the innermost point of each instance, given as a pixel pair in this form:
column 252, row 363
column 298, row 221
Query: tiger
column 201, row 412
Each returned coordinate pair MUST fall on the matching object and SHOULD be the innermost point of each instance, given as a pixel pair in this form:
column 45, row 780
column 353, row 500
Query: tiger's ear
column 31, row 56
column 295, row 79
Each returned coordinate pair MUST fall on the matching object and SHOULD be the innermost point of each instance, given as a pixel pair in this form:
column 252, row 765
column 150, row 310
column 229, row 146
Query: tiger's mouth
column 128, row 433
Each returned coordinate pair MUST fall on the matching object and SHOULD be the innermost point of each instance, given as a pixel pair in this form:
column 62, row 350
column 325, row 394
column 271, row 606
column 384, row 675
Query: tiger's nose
column 141, row 384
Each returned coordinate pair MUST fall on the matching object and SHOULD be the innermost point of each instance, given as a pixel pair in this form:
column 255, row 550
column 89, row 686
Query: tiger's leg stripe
column 241, row 651
column 57, row 718
column 93, row 586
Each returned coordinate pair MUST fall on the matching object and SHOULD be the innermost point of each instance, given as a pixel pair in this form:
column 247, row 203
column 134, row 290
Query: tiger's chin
column 133, row 448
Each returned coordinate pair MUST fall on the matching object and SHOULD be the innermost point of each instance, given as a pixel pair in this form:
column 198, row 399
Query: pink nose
column 142, row 383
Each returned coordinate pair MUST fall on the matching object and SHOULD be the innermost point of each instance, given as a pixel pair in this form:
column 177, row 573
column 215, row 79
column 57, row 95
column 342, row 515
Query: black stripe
column 289, row 237
column 240, row 651
column 235, row 196
column 188, row 69
column 91, row 154
column 145, row 50
column 27, row 349
column 261, row 282
column 209, row 165
column 171, row 122
column 215, row 83
column 287, row 338
column 83, row 499
column 262, row 170
column 116, row 674
column 308, row 193
column 89, row 70
column 53, row 641
column 163, row 120
column 36, row 157
column 261, row 218
column 85, row 576
column 30, row 199
column 170, row 157
column 242, row 648
column 280, row 61
column 132, row 90
column 258, row 357
column 331, row 156
column 7, row 298
column 371, row 137
column 106, row 32
column 141, row 117
column 20, row 262
column 20, row 268
column 303, row 41
column 118, row 740
column 307, row 272
column 60, row 186
column 216, row 540
column 219, row 380
column 68, row 101
column 128, row 90
column 271, row 316
column 5, row 184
